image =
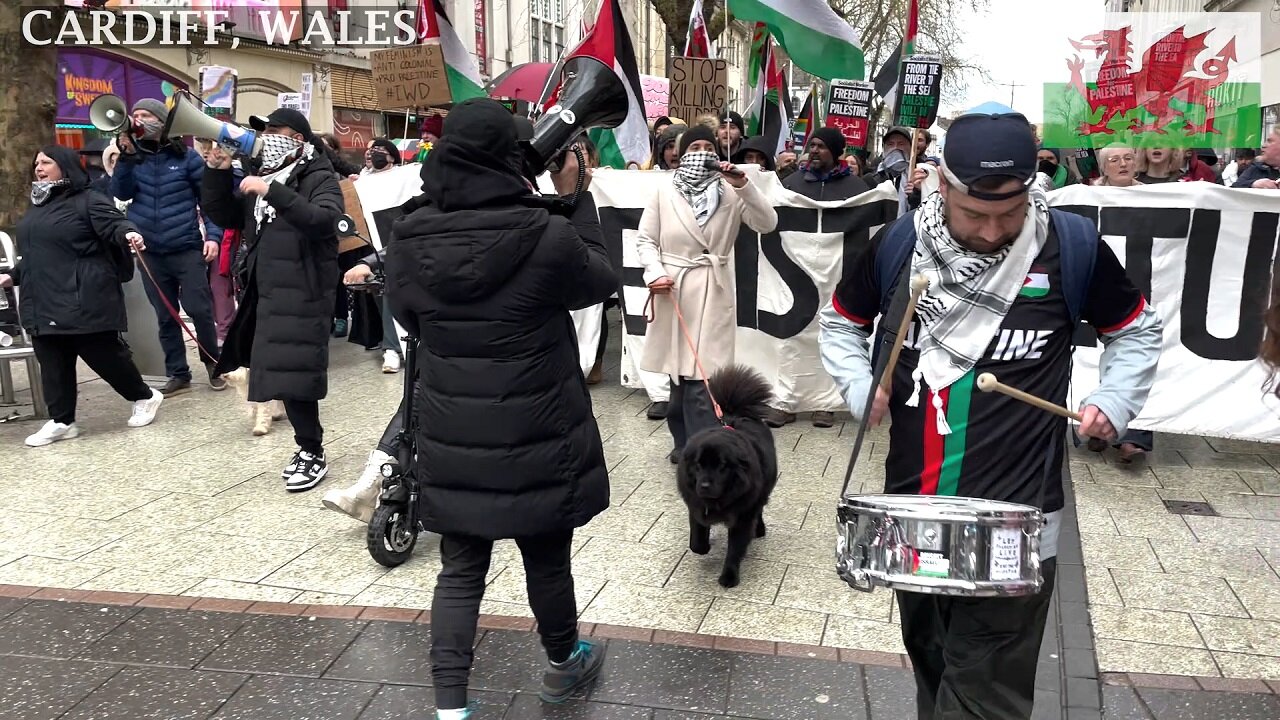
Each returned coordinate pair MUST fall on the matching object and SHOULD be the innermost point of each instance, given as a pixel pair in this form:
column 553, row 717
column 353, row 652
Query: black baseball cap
column 980, row 146
column 283, row 117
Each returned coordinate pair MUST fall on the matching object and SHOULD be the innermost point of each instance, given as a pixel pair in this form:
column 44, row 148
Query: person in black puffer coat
column 72, row 241
column 507, row 444
column 289, row 218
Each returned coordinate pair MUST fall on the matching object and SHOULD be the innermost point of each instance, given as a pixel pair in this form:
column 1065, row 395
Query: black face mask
column 1048, row 167
column 379, row 160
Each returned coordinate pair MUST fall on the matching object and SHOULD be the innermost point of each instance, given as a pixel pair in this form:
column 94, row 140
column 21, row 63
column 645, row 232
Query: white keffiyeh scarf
column 969, row 293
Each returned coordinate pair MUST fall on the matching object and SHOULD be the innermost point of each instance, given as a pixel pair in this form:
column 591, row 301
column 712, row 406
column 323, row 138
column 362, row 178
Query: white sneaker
column 51, row 433
column 361, row 498
column 144, row 411
column 390, row 361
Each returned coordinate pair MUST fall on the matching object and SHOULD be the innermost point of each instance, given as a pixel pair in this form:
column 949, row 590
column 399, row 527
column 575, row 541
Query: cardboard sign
column 699, row 86
column 352, row 207
column 919, row 91
column 410, row 77
column 849, row 110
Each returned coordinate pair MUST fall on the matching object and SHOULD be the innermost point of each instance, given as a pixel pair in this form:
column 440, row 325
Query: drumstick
column 988, row 383
column 919, row 284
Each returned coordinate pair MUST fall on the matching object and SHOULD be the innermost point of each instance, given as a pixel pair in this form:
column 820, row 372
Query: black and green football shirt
column 997, row 445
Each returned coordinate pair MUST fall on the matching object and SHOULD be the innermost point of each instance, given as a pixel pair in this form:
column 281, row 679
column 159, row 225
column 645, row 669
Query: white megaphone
column 186, row 118
column 109, row 114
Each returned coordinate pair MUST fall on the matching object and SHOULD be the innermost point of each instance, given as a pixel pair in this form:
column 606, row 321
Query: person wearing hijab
column 685, row 243
column 71, row 241
column 666, row 155
column 1049, row 162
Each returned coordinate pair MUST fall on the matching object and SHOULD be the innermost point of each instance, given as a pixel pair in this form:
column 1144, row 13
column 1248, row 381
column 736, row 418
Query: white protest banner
column 293, row 101
column 306, row 95
column 1204, row 255
column 783, row 279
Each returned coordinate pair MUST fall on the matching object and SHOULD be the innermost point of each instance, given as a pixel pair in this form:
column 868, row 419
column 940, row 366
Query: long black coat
column 507, row 442
column 69, row 285
column 281, row 330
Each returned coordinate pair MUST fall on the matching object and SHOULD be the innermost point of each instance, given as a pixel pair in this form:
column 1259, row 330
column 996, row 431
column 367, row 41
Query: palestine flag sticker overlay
column 1035, row 285
column 1168, row 80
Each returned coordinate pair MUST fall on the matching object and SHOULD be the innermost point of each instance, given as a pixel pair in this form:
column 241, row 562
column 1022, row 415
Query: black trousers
column 690, row 411
column 975, row 658
column 105, row 353
column 455, row 608
column 304, row 416
column 387, row 443
column 182, row 277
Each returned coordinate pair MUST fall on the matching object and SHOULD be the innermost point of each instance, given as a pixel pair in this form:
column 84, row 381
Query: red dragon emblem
column 1168, row 73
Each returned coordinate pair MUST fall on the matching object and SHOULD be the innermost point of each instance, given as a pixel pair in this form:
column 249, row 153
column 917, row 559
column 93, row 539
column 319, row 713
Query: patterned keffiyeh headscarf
column 699, row 184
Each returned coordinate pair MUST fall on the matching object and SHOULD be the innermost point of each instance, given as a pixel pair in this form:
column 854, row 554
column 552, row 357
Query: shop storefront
column 84, row 75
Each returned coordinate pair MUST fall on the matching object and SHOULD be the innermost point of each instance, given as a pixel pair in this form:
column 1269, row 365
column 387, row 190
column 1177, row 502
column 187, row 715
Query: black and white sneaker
column 308, row 471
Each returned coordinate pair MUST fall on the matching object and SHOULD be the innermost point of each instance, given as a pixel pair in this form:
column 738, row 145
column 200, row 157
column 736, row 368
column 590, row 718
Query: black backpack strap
column 883, row 340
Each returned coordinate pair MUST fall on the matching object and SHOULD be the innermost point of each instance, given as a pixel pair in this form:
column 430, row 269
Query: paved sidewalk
column 193, row 506
column 83, row 661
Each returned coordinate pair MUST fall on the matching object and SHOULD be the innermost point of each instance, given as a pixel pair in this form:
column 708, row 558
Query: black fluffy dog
column 727, row 473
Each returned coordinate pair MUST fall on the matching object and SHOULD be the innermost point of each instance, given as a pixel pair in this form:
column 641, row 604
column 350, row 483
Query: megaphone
column 186, row 118
column 591, row 95
column 110, row 114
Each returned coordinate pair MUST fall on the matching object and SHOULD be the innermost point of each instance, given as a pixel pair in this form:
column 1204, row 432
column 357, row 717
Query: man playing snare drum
column 1008, row 280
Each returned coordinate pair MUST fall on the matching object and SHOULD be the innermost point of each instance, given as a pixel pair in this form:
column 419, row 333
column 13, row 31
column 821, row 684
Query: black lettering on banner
column 613, row 222
column 804, row 292
column 1254, row 288
column 856, row 223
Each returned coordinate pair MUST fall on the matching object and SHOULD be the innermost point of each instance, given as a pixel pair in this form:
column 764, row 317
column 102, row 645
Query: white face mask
column 277, row 151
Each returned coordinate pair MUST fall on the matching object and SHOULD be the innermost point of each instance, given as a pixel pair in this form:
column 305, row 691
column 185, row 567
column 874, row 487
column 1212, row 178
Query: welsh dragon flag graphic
column 460, row 66
column 1168, row 80
column 609, row 42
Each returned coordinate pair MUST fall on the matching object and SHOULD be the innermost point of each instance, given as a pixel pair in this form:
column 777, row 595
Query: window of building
column 733, row 51
column 546, row 30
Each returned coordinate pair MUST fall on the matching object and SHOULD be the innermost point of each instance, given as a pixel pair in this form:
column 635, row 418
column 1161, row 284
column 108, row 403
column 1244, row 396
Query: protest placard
column 410, row 77
column 919, row 91
column 699, row 86
column 849, row 110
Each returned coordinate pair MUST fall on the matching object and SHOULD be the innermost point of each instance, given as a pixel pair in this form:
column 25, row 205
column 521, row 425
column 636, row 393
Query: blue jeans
column 183, row 277
column 390, row 340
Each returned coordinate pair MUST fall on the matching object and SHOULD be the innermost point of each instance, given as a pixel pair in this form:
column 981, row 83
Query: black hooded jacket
column 69, row 284
column 507, row 442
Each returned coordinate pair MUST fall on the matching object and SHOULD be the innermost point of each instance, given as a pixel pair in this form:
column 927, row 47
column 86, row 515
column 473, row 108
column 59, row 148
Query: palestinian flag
column 816, row 39
column 610, row 42
column 886, row 79
column 769, row 112
column 460, row 66
column 1035, row 285
column 809, row 118
column 698, row 42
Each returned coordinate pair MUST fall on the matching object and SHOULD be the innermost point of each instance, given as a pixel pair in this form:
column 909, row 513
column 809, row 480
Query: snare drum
column 939, row 545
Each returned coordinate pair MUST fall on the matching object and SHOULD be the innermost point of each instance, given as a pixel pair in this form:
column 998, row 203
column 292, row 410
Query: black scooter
column 393, row 530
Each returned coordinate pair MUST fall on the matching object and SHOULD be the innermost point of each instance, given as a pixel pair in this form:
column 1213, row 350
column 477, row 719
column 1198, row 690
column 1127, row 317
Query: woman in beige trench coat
column 685, row 243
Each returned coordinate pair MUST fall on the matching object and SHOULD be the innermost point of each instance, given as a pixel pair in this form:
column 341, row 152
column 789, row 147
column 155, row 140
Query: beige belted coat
column 670, row 243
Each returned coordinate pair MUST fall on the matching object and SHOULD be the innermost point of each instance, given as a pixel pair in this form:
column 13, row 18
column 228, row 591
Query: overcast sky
column 1015, row 48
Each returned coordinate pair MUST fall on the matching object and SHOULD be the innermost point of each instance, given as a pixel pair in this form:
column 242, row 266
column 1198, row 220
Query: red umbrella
column 522, row 82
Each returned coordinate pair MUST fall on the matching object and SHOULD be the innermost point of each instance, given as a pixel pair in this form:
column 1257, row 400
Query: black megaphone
column 591, row 95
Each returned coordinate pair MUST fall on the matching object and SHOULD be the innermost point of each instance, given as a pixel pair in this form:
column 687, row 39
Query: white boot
column 361, row 498
column 261, row 418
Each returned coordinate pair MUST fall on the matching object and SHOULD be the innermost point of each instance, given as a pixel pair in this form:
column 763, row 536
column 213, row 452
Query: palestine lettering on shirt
column 997, row 446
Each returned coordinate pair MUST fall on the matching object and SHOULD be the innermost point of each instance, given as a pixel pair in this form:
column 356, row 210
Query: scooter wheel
column 390, row 537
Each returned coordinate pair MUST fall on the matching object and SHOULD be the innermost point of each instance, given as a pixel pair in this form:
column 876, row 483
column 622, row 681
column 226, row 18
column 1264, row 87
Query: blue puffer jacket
column 165, row 189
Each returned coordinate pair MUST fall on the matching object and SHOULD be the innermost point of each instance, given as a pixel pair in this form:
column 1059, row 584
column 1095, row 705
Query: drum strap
column 889, row 325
